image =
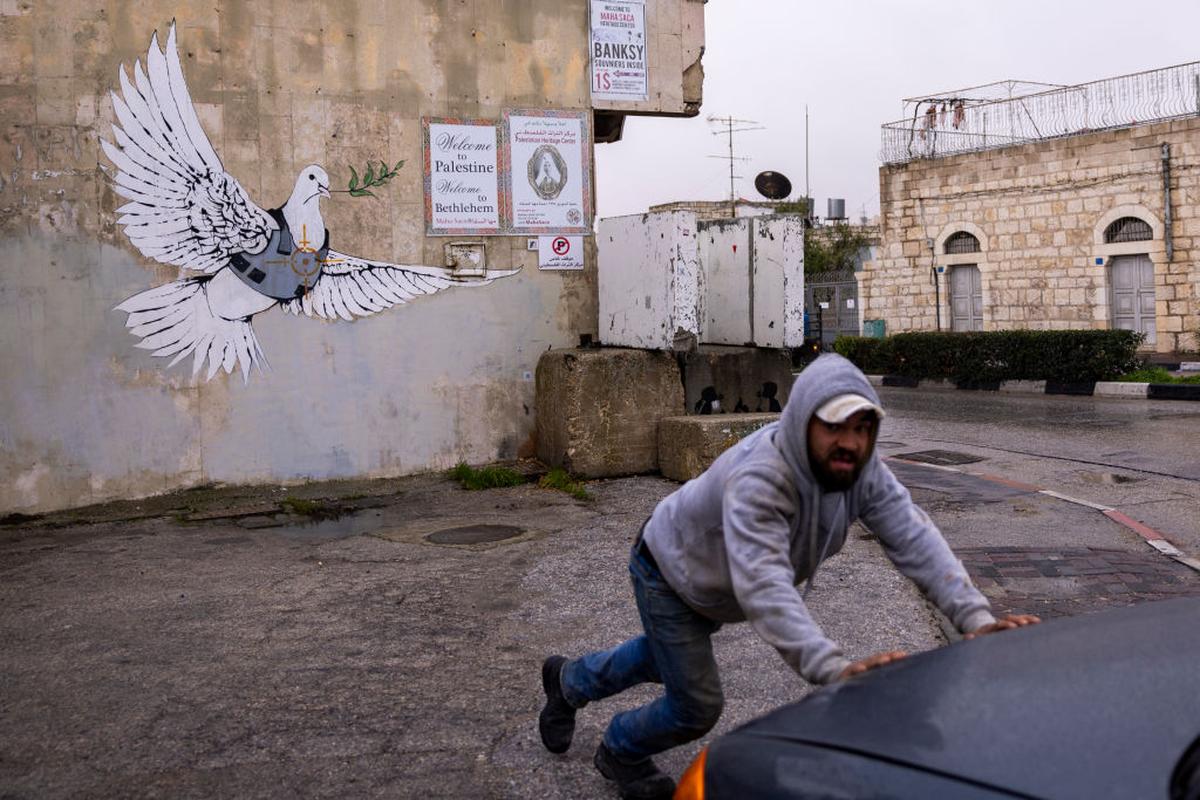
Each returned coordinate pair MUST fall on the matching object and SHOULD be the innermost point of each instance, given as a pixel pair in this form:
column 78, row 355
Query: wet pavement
column 220, row 643
column 1063, row 582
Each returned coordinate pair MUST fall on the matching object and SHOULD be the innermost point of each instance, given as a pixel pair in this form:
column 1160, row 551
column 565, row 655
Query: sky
column 852, row 62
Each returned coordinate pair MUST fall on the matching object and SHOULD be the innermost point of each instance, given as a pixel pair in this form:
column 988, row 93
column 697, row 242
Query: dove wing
column 352, row 287
column 183, row 208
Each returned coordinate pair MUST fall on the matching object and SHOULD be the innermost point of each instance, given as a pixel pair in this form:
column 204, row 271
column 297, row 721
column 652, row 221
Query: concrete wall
column 668, row 281
column 1039, row 211
column 651, row 286
column 725, row 261
column 85, row 417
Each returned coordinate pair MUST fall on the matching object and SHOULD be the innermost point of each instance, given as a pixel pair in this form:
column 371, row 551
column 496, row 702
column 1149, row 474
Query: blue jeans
column 675, row 650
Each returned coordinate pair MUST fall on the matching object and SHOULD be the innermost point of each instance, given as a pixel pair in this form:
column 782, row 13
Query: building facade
column 1017, row 228
column 87, row 416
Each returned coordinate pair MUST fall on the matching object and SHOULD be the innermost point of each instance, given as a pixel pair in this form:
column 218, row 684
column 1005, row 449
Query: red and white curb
column 1152, row 537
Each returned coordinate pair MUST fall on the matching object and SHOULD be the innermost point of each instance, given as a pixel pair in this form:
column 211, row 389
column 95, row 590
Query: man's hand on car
column 1005, row 623
column 871, row 662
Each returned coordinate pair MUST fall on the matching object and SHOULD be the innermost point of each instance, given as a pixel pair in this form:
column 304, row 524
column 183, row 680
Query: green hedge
column 1061, row 356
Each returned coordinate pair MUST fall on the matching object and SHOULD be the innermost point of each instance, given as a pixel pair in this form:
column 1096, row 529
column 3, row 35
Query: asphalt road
column 1142, row 457
column 204, row 645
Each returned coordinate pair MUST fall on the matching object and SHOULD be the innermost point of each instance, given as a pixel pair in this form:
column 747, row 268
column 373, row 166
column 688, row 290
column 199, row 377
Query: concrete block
column 737, row 378
column 598, row 410
column 1121, row 389
column 1023, row 387
column 688, row 445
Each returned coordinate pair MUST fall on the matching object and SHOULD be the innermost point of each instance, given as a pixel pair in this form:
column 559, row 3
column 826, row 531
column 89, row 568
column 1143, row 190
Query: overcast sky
column 853, row 62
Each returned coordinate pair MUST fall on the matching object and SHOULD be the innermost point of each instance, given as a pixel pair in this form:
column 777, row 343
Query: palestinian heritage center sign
column 619, row 64
column 549, row 171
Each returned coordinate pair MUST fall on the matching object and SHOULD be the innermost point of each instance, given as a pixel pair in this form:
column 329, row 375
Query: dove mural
column 239, row 260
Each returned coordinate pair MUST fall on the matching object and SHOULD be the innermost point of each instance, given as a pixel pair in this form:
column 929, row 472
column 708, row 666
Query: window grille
column 1128, row 229
column 961, row 242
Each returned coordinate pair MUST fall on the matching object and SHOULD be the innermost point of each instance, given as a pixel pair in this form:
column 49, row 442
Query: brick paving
column 1057, row 582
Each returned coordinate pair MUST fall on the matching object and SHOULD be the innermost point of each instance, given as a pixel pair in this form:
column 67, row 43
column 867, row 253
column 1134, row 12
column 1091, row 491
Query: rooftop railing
column 948, row 125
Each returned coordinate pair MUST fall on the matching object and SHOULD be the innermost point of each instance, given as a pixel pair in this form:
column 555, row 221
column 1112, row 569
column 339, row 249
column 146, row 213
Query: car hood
column 1101, row 705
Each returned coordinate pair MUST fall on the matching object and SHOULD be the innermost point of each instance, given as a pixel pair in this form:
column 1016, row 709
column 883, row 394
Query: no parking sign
column 560, row 252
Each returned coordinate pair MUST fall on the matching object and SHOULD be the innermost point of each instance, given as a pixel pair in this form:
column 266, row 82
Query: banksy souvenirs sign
column 619, row 50
column 548, row 171
column 462, row 177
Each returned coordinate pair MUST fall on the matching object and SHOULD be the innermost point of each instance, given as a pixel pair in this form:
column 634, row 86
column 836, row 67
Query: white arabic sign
column 619, row 65
column 560, row 252
column 461, row 177
column 549, row 176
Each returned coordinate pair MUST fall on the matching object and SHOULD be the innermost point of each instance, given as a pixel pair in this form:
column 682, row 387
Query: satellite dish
column 773, row 185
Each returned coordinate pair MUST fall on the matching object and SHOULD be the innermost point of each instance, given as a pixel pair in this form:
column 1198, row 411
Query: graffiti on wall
column 710, row 401
column 185, row 210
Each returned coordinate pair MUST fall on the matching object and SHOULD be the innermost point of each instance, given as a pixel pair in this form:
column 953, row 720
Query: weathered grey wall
column 84, row 416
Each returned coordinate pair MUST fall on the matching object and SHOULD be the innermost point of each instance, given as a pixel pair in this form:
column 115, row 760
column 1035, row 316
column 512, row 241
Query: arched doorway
column 965, row 285
column 1131, row 278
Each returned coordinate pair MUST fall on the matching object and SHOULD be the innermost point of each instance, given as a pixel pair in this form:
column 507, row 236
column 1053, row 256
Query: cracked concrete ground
column 214, row 643
column 160, row 657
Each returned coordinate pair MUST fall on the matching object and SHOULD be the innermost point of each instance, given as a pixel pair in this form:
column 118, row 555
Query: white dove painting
column 237, row 259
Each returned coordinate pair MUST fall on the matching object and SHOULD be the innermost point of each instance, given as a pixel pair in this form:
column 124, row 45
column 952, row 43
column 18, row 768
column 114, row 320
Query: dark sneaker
column 556, row 723
column 637, row 780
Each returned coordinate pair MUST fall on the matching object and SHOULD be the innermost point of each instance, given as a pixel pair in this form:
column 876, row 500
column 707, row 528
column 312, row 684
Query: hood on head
column 825, row 378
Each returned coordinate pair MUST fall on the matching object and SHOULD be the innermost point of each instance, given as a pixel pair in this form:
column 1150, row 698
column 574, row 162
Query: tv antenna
column 728, row 127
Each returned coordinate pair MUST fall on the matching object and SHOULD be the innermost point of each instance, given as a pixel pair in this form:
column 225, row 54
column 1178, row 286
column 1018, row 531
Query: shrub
column 1158, row 375
column 1059, row 356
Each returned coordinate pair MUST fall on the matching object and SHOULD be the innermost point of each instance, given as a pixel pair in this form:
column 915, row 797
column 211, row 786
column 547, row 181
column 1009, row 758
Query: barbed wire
column 951, row 125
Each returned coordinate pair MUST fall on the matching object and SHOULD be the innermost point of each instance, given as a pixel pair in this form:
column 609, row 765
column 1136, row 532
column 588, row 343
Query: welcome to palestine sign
column 619, row 64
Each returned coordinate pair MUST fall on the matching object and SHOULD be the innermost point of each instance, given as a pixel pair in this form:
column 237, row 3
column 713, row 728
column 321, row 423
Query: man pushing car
column 734, row 545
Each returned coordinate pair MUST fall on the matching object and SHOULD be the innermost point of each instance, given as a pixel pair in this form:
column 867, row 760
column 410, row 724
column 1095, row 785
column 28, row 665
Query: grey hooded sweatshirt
column 736, row 542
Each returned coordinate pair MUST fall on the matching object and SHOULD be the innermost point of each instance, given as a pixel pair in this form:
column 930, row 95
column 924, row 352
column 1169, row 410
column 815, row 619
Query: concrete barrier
column 687, row 445
column 1121, row 389
column 598, row 410
column 1023, row 387
column 739, row 378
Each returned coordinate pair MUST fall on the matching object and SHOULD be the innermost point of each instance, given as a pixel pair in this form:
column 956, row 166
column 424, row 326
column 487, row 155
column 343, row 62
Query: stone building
column 1068, row 207
column 86, row 416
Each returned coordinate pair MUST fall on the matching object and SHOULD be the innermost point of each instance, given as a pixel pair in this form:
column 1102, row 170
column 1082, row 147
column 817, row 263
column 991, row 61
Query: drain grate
column 942, row 458
column 474, row 534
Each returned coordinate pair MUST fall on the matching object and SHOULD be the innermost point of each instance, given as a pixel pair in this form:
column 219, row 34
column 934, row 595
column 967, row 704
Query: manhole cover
column 942, row 458
column 474, row 534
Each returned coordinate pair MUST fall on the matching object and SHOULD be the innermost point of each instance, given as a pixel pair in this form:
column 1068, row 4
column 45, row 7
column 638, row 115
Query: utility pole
column 729, row 130
column 808, row 212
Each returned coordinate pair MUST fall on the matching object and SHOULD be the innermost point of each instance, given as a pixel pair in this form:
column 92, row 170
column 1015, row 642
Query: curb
column 1152, row 537
column 1142, row 391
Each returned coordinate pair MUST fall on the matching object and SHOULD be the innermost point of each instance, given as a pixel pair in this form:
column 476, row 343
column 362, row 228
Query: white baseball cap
column 844, row 406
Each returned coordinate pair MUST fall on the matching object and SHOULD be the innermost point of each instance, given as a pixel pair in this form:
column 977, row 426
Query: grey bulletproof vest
column 282, row 269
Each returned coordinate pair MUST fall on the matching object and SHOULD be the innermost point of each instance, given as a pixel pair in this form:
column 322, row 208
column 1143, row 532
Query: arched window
column 961, row 242
column 1128, row 229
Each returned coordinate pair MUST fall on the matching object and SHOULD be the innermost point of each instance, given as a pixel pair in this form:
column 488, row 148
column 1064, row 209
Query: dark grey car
column 1099, row 706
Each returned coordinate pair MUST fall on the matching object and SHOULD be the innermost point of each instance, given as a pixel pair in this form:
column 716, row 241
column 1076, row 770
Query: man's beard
column 833, row 482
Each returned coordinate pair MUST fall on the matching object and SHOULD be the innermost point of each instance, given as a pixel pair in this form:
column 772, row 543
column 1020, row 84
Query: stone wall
column 1039, row 212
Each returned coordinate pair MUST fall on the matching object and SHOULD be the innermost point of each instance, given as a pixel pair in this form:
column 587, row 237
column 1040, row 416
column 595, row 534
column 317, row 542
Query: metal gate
column 966, row 298
column 830, row 306
column 1132, row 282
